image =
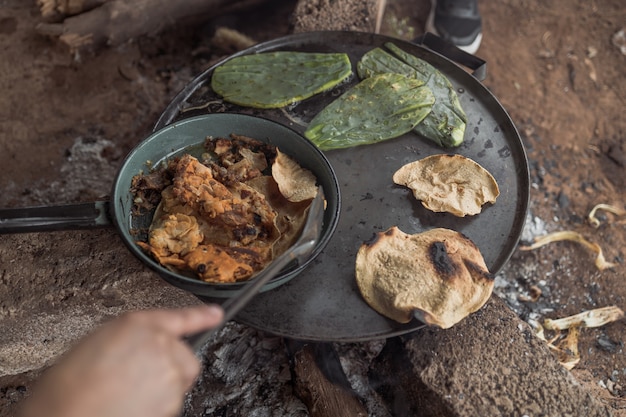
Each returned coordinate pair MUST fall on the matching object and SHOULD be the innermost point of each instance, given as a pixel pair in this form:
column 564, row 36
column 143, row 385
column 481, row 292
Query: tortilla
column 295, row 183
column 449, row 183
column 290, row 216
column 438, row 276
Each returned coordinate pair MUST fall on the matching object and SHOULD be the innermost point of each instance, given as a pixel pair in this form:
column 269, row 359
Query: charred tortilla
column 449, row 183
column 438, row 276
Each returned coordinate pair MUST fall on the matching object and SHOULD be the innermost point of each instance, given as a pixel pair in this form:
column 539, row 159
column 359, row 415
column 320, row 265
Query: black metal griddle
column 323, row 302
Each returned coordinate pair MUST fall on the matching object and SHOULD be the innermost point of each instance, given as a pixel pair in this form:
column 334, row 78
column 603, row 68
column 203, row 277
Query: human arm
column 135, row 366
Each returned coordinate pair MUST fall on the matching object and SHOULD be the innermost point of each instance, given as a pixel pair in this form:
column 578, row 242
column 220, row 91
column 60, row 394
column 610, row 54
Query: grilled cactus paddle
column 378, row 108
column 277, row 79
column 445, row 125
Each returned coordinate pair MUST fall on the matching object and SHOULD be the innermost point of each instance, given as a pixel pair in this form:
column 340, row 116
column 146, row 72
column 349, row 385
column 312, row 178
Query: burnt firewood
column 92, row 24
column 57, row 10
column 320, row 382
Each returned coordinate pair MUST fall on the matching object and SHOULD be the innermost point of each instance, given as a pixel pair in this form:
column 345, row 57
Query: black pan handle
column 51, row 218
column 435, row 43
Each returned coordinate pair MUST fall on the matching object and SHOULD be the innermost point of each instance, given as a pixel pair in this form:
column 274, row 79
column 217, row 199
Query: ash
column 513, row 281
column 247, row 373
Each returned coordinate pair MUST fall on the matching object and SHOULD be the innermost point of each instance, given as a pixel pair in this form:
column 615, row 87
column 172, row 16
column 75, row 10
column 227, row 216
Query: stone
column 489, row 364
column 58, row 286
column 354, row 15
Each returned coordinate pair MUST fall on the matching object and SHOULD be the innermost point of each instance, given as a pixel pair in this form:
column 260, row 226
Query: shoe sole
column 430, row 27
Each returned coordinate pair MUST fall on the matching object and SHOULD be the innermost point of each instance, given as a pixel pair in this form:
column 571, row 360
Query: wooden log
column 57, row 10
column 354, row 15
column 320, row 382
column 114, row 22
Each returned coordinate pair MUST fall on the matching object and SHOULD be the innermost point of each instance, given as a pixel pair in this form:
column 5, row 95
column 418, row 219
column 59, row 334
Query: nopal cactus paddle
column 380, row 107
column 445, row 124
column 277, row 79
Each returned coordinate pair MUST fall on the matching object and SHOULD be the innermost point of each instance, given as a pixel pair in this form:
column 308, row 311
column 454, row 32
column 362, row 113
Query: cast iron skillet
column 185, row 136
column 324, row 304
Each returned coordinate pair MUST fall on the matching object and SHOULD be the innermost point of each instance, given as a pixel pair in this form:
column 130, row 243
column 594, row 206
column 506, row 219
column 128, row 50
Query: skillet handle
column 51, row 218
column 436, row 44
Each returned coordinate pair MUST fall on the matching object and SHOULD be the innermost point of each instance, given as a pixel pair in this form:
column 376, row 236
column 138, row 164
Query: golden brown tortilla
column 295, row 183
column 438, row 276
column 449, row 183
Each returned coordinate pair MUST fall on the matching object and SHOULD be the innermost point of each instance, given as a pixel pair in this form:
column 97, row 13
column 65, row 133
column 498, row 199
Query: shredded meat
column 147, row 189
column 217, row 219
column 219, row 232
column 240, row 209
column 222, row 264
column 239, row 159
column 176, row 233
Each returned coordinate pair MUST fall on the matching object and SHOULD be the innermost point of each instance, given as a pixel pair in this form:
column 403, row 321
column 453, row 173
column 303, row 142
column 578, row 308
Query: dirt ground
column 556, row 67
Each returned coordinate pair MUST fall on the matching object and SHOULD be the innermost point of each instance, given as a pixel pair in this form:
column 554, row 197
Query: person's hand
column 134, row 366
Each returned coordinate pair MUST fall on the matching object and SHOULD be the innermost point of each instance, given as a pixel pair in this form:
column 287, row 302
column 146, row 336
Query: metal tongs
column 299, row 252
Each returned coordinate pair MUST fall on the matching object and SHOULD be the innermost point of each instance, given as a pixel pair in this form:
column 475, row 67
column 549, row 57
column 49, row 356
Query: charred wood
column 91, row 24
column 321, row 383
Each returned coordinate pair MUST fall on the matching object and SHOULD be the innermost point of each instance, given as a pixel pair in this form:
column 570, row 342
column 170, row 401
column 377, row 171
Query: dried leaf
column 591, row 318
column 567, row 350
column 607, row 207
column 534, row 292
column 600, row 262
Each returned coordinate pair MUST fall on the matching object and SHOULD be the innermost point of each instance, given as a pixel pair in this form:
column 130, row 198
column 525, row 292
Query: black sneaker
column 458, row 22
